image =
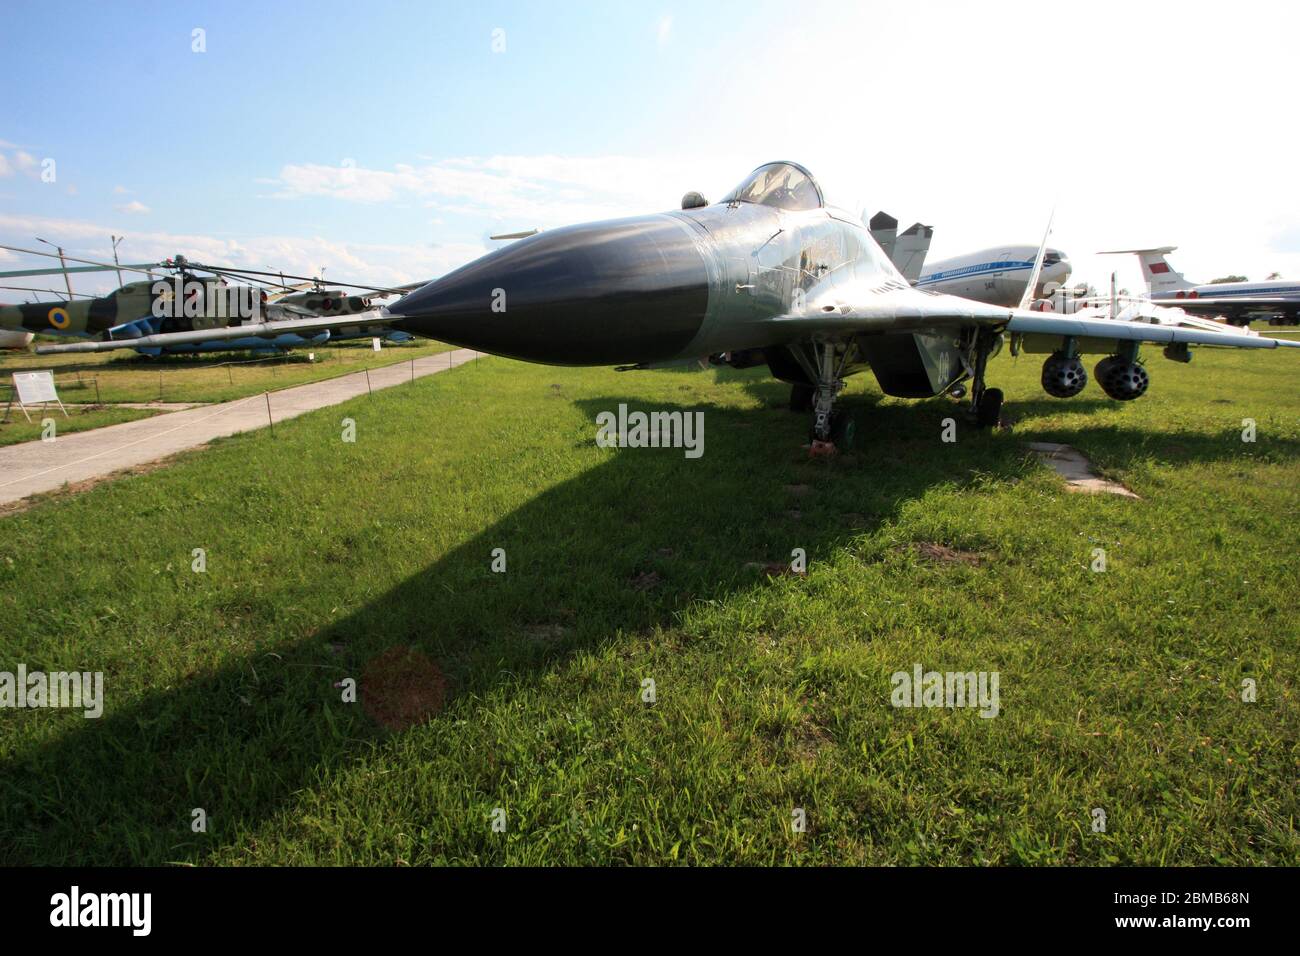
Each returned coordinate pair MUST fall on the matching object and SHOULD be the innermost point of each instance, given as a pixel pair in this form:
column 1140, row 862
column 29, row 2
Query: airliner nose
column 624, row 291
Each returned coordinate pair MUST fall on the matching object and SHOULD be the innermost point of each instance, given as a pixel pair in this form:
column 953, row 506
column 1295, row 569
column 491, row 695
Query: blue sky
column 387, row 140
column 125, row 101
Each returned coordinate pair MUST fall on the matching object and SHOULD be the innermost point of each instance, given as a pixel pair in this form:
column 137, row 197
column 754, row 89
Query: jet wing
column 850, row 308
column 1046, row 323
column 259, row 329
column 891, row 305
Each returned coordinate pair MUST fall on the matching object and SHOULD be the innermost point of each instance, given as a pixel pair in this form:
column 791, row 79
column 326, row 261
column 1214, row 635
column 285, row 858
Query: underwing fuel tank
column 623, row 291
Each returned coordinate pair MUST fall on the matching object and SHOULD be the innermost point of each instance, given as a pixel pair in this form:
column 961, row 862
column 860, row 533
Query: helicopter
column 194, row 298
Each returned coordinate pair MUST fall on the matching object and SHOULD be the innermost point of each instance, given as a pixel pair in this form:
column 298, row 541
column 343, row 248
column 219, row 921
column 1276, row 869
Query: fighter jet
column 770, row 274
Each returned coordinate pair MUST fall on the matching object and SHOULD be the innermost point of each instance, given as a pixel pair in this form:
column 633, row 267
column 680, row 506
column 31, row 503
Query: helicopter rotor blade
column 23, row 273
column 61, row 293
column 318, row 280
column 145, row 267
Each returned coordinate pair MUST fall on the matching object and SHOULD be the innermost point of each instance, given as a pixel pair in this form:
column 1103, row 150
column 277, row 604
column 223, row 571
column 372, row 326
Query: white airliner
column 1239, row 302
column 997, row 276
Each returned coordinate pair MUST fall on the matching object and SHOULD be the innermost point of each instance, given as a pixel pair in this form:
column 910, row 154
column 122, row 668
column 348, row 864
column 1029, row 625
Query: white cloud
column 25, row 162
column 5, row 168
column 522, row 191
column 120, row 190
column 369, row 263
column 134, row 208
column 665, row 29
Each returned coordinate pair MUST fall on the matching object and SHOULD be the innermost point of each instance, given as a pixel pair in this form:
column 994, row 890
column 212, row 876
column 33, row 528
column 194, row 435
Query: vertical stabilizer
column 910, row 250
column 884, row 229
column 1157, row 273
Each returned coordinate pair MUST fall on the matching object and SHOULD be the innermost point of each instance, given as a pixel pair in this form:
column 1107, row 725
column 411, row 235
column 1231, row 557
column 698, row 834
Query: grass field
column 79, row 419
column 1119, row 691
column 124, row 376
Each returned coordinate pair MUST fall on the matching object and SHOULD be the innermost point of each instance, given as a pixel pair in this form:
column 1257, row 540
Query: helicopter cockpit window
column 782, row 185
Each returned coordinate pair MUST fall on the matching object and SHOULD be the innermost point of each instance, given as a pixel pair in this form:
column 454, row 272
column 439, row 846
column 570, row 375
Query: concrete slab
column 1077, row 471
column 35, row 467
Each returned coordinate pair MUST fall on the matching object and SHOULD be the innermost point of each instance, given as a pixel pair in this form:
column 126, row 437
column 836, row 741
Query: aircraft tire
column 989, row 412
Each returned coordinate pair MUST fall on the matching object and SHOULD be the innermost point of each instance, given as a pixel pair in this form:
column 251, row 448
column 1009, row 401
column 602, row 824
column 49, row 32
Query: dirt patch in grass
column 942, row 554
column 401, row 688
column 645, row 581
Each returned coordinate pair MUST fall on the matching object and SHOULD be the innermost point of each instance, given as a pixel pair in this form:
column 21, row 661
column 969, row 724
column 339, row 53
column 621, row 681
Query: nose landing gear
column 824, row 364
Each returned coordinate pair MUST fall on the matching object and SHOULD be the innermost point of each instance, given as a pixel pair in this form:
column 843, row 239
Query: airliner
column 1238, row 302
column 995, row 276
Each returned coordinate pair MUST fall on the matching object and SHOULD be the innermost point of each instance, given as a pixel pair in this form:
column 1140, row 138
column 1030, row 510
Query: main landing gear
column 985, row 403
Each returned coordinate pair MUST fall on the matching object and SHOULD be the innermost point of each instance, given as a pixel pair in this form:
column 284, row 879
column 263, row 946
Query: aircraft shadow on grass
column 622, row 547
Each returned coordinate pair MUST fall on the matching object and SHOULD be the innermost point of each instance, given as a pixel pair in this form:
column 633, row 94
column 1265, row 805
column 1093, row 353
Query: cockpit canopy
column 783, row 185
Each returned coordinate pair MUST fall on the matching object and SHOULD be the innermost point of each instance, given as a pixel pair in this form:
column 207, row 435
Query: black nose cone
column 625, row 291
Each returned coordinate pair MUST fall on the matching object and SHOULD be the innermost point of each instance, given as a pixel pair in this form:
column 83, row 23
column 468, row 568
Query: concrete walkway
column 37, row 466
column 147, row 406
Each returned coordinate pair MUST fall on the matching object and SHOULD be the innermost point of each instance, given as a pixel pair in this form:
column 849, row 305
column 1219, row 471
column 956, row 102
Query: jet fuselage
column 646, row 290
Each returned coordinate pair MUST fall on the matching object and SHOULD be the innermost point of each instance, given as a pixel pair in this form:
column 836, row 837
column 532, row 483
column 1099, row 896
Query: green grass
column 124, row 376
column 1118, row 690
column 79, row 419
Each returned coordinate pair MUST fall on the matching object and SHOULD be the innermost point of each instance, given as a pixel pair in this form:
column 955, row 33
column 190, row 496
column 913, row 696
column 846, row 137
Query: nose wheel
column 827, row 387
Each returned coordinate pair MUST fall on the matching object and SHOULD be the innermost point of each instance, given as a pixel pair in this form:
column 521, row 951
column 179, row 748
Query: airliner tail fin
column 1158, row 274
